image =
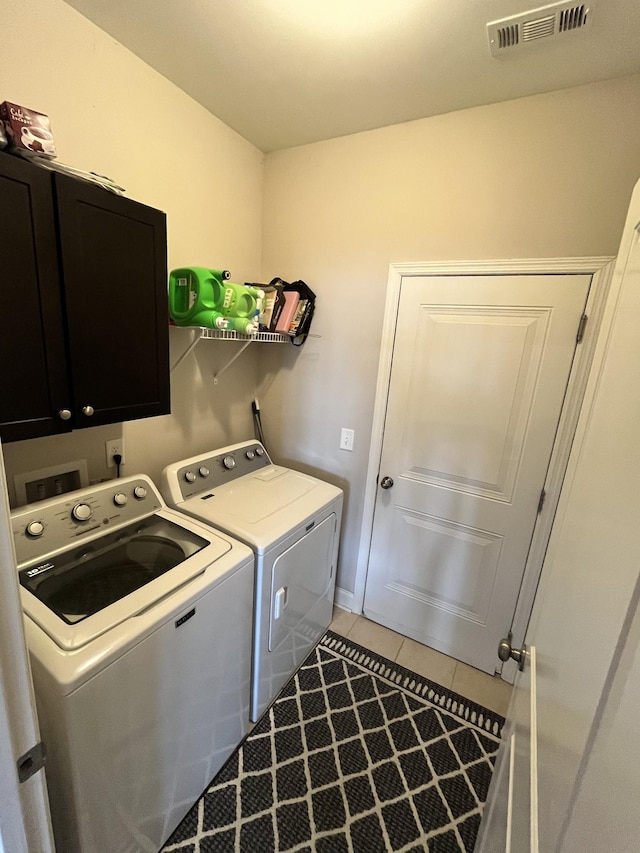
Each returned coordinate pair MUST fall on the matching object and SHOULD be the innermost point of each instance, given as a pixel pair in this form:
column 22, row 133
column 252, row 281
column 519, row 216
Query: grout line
column 447, row 682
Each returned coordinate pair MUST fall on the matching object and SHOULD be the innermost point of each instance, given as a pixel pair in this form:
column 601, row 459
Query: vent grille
column 539, row 29
column 572, row 19
column 508, row 36
column 537, row 24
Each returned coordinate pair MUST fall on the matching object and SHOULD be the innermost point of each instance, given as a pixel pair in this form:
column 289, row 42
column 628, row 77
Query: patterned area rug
column 357, row 755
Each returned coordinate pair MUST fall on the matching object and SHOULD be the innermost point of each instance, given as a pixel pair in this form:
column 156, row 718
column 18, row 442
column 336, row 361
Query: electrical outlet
column 346, row 439
column 116, row 445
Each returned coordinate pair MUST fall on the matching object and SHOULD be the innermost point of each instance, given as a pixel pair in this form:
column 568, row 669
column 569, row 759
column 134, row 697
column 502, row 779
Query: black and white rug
column 357, row 755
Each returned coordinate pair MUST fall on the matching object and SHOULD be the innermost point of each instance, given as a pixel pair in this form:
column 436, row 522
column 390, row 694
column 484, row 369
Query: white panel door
column 479, row 373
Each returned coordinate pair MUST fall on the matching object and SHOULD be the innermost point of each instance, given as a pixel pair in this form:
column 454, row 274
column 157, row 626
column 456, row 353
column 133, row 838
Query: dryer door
column 300, row 578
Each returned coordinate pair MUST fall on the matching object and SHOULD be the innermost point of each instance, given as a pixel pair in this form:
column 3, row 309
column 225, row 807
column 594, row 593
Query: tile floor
column 484, row 689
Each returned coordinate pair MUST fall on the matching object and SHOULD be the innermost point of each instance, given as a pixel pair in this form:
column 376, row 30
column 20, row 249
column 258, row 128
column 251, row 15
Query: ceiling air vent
column 518, row 31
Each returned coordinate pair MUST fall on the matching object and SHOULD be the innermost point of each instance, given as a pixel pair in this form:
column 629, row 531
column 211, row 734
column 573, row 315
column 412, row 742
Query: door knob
column 386, row 483
column 506, row 651
column 64, row 414
column 88, row 411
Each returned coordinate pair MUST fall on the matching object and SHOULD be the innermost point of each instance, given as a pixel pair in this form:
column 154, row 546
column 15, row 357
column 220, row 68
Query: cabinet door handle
column 88, row 411
column 64, row 414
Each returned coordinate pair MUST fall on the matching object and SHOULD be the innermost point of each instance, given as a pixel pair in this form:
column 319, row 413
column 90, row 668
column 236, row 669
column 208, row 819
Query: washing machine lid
column 263, row 507
column 80, row 594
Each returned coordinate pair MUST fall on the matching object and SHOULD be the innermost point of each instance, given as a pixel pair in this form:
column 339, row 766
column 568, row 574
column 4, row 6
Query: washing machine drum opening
column 78, row 584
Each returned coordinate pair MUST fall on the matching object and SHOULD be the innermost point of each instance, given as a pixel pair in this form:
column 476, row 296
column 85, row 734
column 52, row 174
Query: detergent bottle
column 196, row 295
column 241, row 300
column 246, row 325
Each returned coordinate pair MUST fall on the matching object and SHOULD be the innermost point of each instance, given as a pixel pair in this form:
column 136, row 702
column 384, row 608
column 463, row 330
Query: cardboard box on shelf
column 271, row 305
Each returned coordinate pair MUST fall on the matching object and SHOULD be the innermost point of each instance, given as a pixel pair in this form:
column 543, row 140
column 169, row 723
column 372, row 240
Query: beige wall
column 113, row 114
column 544, row 176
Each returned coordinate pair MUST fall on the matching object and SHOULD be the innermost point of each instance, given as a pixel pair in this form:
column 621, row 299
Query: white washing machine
column 292, row 523
column 138, row 627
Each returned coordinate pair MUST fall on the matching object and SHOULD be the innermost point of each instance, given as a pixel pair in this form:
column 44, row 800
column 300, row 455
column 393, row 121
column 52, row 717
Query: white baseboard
column 343, row 599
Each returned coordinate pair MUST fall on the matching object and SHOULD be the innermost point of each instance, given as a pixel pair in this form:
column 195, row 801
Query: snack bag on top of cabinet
column 27, row 131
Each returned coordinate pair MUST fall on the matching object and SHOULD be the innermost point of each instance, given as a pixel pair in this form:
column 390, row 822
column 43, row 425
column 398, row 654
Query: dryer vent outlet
column 509, row 35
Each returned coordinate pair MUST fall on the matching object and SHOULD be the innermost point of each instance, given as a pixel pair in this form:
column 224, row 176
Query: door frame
column 601, row 269
column 26, row 821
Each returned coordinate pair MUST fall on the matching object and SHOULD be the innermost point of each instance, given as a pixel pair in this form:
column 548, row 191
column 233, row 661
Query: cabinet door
column 34, row 383
column 114, row 274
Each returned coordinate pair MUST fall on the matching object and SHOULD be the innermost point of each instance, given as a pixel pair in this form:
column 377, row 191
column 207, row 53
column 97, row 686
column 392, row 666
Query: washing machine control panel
column 45, row 527
column 220, row 467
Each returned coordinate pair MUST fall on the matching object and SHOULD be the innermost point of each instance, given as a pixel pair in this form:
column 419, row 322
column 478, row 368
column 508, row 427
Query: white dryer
column 136, row 622
column 292, row 523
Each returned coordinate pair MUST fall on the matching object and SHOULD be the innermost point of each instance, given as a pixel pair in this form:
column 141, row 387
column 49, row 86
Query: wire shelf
column 201, row 334
column 227, row 335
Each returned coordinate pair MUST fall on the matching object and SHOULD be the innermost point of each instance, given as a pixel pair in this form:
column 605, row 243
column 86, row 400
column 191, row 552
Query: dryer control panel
column 206, row 472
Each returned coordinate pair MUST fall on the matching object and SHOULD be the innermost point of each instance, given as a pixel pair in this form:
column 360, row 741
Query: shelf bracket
column 201, row 334
column 190, row 348
column 219, row 373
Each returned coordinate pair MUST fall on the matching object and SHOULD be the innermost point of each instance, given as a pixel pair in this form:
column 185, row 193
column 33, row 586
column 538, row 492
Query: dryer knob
column 203, row 471
column 229, row 462
column 259, row 451
column 250, row 454
column 119, row 499
column 140, row 492
column 82, row 512
column 190, row 476
column 35, row 529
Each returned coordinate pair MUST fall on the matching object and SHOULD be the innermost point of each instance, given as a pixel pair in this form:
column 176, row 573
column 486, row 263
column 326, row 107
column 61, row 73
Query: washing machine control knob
column 35, row 529
column 82, row 512
column 140, row 492
column 189, row 476
column 229, row 462
column 259, row 451
column 250, row 454
column 203, row 471
column 119, row 499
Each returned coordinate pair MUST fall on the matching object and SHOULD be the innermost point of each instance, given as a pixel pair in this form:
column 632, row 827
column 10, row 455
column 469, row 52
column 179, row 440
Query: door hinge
column 31, row 762
column 582, row 325
column 543, row 497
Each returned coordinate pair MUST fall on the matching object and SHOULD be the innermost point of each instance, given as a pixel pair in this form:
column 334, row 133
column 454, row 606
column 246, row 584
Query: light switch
column 346, row 439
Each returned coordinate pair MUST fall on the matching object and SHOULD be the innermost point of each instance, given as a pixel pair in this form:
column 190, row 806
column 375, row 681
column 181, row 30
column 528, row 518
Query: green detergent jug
column 204, row 297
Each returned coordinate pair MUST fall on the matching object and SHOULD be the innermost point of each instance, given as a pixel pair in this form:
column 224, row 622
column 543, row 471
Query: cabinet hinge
column 543, row 496
column 31, row 762
column 581, row 327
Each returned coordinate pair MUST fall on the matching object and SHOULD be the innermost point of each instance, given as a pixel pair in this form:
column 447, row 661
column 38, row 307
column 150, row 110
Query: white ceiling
column 287, row 72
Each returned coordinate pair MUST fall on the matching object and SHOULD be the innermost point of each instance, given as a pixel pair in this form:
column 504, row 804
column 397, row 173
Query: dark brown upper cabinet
column 83, row 305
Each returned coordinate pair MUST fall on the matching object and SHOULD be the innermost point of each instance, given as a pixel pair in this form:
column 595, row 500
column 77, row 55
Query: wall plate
column 66, row 477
